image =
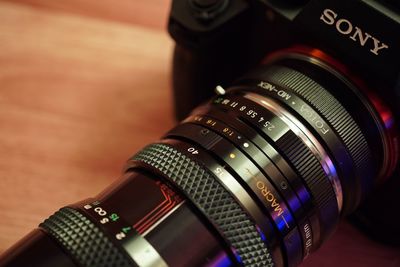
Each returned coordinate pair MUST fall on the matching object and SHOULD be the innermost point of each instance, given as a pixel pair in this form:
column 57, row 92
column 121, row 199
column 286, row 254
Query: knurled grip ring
column 211, row 198
column 83, row 240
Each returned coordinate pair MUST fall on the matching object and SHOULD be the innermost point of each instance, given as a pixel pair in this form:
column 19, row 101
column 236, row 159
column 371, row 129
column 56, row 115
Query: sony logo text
column 346, row 28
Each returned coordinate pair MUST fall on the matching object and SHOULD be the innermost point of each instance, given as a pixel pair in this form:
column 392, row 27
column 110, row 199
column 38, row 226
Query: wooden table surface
column 83, row 85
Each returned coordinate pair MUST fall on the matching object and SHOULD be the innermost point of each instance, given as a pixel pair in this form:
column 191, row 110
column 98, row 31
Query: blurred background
column 83, row 85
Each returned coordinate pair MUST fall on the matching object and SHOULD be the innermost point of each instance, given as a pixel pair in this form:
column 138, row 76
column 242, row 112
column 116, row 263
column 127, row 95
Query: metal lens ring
column 257, row 158
column 179, row 164
column 272, row 163
column 244, row 156
column 266, row 148
column 241, row 159
column 307, row 156
column 247, row 179
column 347, row 127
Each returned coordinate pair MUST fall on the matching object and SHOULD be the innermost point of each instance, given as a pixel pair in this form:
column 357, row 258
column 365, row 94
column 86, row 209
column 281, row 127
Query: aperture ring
column 211, row 198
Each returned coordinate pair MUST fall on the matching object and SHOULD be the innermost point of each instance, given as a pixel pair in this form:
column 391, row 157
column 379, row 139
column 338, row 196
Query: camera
column 300, row 134
column 219, row 41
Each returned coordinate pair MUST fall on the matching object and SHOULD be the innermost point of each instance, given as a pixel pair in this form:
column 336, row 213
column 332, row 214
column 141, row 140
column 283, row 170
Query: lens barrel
column 258, row 176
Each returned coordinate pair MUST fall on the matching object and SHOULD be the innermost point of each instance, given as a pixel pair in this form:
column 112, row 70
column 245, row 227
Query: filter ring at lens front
column 212, row 199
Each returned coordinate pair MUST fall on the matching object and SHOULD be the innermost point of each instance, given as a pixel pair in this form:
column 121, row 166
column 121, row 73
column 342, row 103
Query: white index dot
column 246, row 144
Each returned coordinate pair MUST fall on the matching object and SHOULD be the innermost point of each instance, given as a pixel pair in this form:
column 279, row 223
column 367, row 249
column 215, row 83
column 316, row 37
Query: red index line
column 167, row 199
column 150, row 220
column 157, row 216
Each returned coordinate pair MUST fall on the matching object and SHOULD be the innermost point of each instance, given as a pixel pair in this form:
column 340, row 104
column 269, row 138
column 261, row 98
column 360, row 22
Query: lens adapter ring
column 214, row 201
column 331, row 110
column 353, row 153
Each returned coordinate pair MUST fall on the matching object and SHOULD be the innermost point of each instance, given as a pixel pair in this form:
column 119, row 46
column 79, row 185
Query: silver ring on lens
column 308, row 139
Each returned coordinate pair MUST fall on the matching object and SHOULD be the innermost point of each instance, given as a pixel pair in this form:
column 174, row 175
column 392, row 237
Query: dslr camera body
column 218, row 41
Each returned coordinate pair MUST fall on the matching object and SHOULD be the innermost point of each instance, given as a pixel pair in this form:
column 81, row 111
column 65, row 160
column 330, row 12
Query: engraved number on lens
column 120, row 235
column 269, row 125
column 193, row 151
column 234, row 104
column 251, row 113
column 104, row 220
column 114, row 217
column 100, row 211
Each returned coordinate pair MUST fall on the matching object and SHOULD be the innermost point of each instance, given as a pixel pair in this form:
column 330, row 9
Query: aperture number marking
column 250, row 113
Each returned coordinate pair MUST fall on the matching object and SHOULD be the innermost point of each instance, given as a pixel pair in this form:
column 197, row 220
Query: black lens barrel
column 37, row 249
column 258, row 176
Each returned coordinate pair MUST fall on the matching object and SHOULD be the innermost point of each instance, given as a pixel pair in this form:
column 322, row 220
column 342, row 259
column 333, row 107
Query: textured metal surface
column 309, row 168
column 83, row 240
column 330, row 108
column 212, row 199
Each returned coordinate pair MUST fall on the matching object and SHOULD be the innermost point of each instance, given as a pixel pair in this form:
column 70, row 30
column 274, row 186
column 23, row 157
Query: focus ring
column 212, row 199
column 86, row 243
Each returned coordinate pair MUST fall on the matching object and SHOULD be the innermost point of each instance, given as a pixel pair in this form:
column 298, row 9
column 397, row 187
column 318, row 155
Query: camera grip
column 193, row 77
column 196, row 72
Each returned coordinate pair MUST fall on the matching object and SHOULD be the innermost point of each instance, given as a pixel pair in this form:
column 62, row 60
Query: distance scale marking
column 108, row 220
column 123, row 234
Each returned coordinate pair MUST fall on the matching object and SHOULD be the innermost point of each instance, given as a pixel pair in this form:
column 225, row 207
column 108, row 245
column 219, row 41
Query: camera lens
column 258, row 176
column 293, row 154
